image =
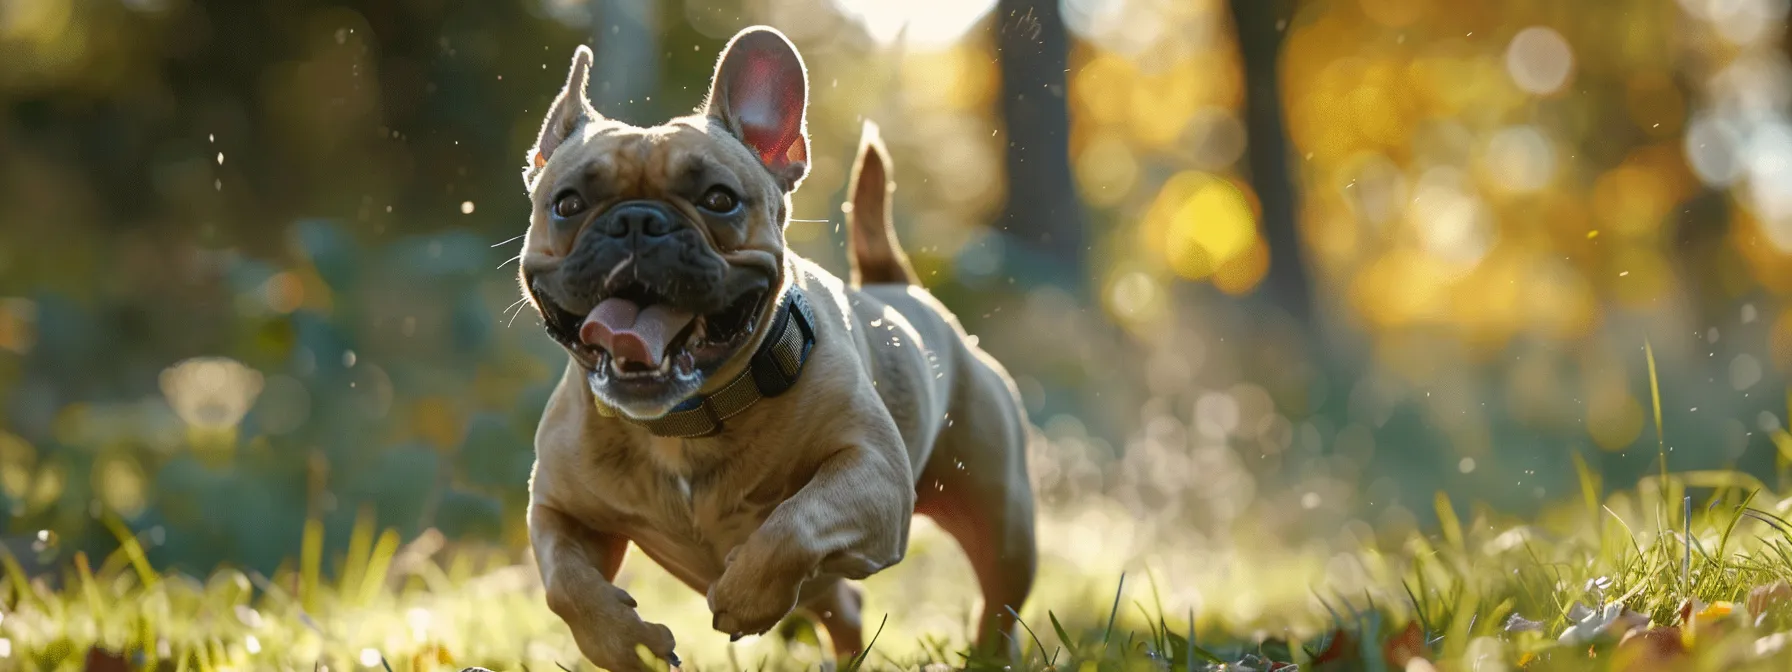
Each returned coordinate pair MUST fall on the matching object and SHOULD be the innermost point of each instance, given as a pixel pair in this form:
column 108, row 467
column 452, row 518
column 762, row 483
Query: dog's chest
column 689, row 524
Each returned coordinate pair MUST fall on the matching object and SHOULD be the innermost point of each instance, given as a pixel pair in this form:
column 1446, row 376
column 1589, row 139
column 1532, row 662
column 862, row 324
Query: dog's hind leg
column 975, row 487
column 837, row 611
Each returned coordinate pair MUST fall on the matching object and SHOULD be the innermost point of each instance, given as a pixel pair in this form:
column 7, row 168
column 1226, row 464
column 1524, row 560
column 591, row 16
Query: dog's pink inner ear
column 768, row 106
column 763, row 98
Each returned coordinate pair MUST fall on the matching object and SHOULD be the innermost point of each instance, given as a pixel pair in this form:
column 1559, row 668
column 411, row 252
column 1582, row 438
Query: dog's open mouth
column 636, row 335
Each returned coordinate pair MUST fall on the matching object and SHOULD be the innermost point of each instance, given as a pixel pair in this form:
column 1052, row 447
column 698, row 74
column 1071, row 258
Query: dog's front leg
column 577, row 564
column 850, row 520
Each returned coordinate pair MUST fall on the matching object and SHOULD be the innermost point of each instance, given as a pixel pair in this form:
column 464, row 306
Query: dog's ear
column 569, row 111
column 760, row 93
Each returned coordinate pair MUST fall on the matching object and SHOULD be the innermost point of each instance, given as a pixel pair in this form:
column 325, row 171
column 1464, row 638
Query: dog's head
column 655, row 255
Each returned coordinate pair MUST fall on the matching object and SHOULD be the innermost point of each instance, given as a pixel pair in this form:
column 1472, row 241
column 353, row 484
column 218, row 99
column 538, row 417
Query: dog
column 760, row 428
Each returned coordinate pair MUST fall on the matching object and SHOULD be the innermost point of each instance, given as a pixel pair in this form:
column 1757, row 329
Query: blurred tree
column 625, row 34
column 1042, row 211
column 1701, row 229
column 1259, row 25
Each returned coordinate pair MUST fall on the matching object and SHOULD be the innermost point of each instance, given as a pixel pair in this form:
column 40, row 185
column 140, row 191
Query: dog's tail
column 877, row 257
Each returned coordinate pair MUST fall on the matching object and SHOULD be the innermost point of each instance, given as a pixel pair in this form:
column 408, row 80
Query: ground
column 1604, row 583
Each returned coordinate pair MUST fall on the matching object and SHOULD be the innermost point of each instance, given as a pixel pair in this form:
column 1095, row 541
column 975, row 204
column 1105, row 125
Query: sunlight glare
column 1539, row 60
column 1453, row 224
column 1768, row 162
column 211, row 392
column 929, row 24
column 1520, row 158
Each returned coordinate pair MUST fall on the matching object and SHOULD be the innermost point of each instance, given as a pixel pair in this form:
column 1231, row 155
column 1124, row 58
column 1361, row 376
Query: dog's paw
column 629, row 646
column 749, row 605
column 611, row 634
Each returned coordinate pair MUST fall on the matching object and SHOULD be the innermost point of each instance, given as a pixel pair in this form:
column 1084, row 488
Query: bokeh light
column 1539, row 60
column 1481, row 213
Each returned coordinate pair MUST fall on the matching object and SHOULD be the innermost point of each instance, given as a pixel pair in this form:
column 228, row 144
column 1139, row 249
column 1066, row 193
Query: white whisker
column 519, row 311
column 512, row 240
column 507, row 261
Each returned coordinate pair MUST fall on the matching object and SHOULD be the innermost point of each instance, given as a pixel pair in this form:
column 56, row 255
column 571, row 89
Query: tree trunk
column 1043, row 212
column 625, row 37
column 1259, row 25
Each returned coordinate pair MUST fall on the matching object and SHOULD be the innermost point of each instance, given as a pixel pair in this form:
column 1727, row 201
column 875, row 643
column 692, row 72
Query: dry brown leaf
column 1768, row 598
column 1658, row 648
column 1407, row 645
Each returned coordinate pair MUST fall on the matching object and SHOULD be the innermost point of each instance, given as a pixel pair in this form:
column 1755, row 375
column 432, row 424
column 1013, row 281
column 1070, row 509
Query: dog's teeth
column 666, row 364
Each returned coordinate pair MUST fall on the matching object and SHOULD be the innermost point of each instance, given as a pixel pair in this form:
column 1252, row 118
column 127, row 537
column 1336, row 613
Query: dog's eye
column 569, row 204
column 719, row 200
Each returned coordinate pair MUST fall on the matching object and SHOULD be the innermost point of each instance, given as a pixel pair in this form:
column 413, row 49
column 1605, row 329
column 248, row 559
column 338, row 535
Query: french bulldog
column 760, row 428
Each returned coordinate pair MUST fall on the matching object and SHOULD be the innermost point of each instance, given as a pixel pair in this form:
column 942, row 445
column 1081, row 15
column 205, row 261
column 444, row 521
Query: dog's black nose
column 643, row 220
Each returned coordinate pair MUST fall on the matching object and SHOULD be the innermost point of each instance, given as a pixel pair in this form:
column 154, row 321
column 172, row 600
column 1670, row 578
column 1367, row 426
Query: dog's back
column 956, row 407
column 902, row 325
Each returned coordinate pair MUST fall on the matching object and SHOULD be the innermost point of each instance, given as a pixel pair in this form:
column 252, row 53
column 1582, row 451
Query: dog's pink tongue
column 628, row 332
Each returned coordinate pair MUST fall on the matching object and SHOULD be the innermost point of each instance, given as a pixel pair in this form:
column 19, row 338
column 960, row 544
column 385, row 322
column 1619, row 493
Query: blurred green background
column 1287, row 267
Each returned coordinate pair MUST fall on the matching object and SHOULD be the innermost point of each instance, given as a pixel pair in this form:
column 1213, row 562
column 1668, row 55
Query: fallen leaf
column 1651, row 649
column 1598, row 585
column 1406, row 646
column 1614, row 619
column 1701, row 619
column 1692, row 610
column 1772, row 644
column 1342, row 648
column 1771, row 597
column 1579, row 612
column 101, row 660
column 1516, row 623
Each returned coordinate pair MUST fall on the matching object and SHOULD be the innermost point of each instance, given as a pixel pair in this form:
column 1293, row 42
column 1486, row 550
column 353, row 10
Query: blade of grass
column 1115, row 611
column 90, row 591
column 1024, row 626
column 1661, row 440
column 378, row 562
column 1589, row 486
column 360, row 547
column 311, row 553
column 1158, row 600
column 1418, row 609
column 1063, row 637
column 1452, row 526
column 1686, row 538
column 1156, row 641
column 860, row 659
column 21, row 585
column 132, row 550
column 1188, row 661
column 1773, row 521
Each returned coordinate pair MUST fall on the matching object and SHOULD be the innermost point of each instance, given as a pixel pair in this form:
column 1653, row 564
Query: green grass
column 1448, row 598
column 1682, row 571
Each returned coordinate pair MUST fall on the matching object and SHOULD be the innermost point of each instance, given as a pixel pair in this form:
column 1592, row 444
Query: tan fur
column 877, row 257
column 894, row 413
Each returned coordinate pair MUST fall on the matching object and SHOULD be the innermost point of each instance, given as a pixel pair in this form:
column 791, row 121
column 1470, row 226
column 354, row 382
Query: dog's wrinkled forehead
column 612, row 161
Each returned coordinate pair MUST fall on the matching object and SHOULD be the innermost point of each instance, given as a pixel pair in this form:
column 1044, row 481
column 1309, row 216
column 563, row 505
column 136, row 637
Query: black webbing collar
column 772, row 371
